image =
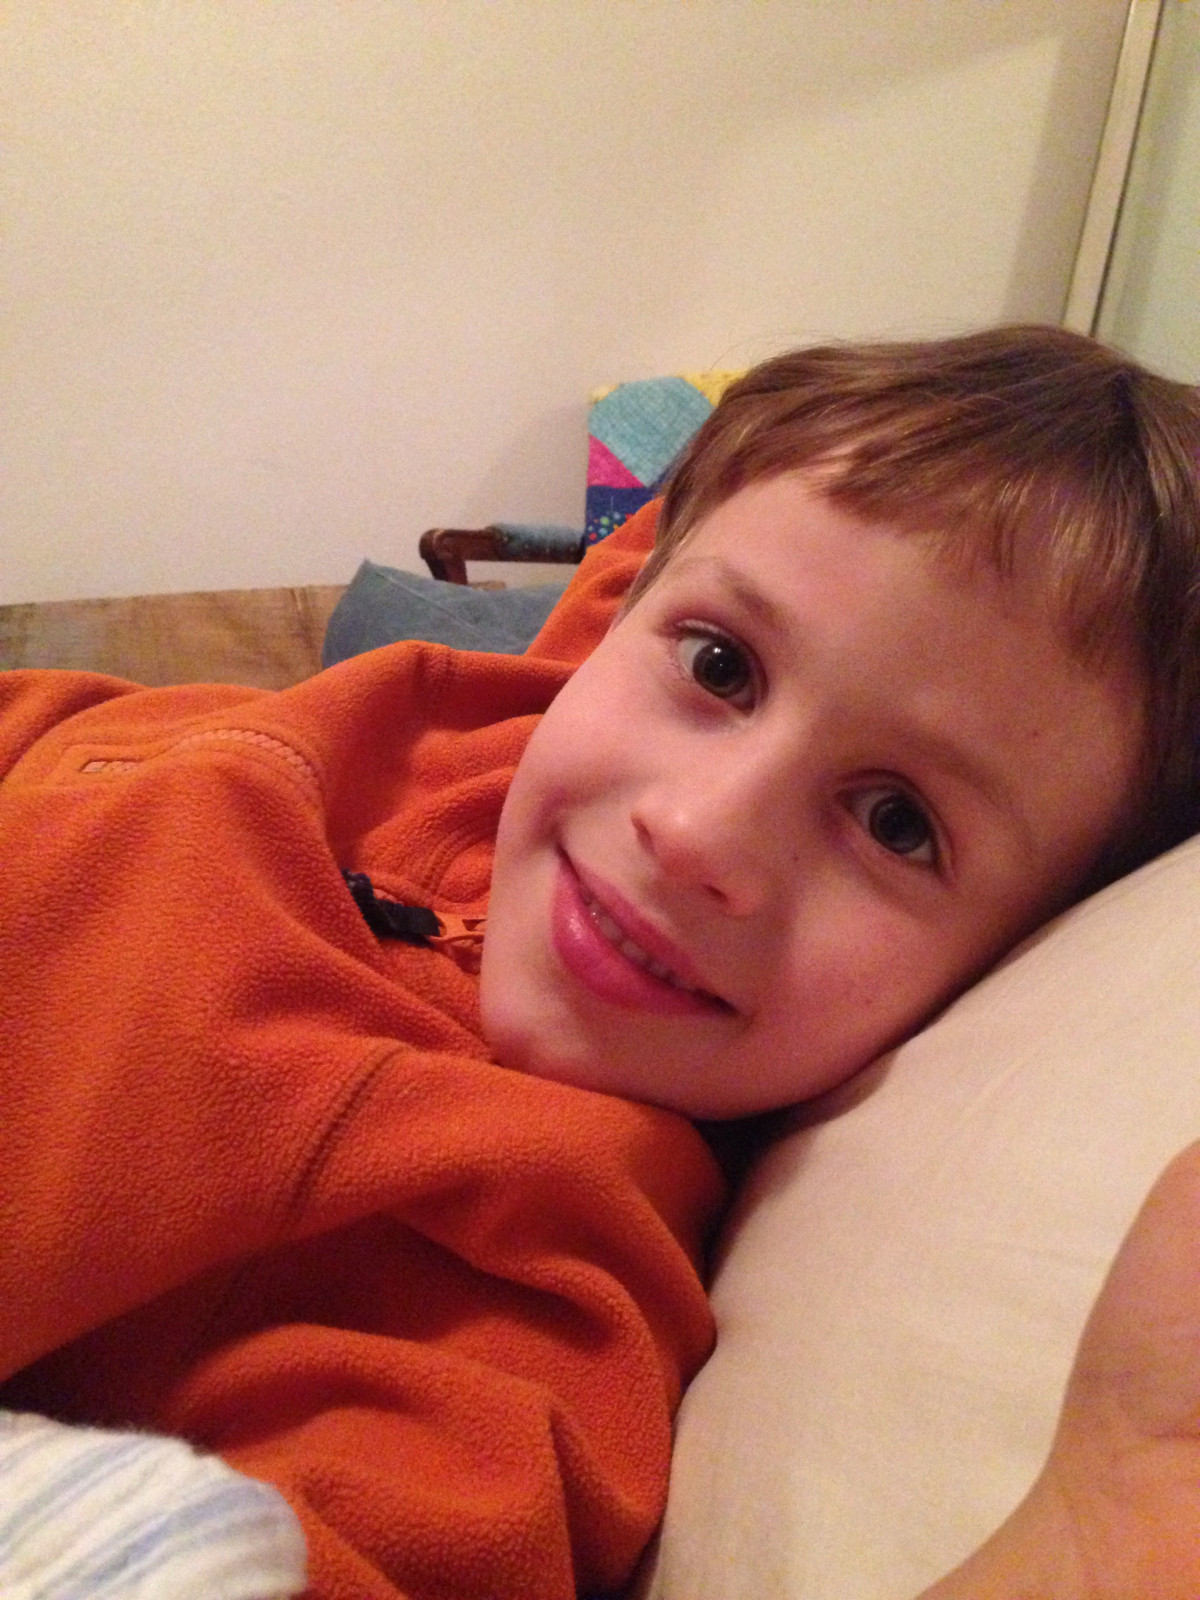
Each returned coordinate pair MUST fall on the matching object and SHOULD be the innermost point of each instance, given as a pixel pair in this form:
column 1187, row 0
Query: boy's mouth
column 601, row 917
column 621, row 941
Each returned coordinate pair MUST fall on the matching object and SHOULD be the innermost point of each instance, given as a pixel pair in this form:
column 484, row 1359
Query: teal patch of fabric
column 646, row 423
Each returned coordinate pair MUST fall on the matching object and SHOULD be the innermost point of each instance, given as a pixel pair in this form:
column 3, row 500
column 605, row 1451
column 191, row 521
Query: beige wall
column 285, row 283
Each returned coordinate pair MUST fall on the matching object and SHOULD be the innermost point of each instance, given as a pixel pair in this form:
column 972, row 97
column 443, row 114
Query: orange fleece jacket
column 260, row 1183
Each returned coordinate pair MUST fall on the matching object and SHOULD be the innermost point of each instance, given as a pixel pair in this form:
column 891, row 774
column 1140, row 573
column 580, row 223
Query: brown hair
column 999, row 445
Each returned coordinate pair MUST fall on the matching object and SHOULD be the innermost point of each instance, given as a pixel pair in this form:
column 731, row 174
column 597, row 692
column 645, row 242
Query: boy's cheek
column 562, row 766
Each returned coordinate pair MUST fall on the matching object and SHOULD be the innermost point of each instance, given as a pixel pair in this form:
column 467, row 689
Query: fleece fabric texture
column 261, row 1185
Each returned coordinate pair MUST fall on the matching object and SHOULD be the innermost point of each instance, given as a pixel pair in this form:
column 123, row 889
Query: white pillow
column 900, row 1291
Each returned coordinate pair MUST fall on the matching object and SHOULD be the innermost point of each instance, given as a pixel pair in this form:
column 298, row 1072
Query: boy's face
column 806, row 789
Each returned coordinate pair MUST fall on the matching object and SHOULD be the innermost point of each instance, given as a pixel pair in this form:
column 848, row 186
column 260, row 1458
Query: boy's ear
column 596, row 593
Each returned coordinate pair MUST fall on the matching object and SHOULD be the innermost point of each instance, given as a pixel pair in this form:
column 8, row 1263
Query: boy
column 909, row 669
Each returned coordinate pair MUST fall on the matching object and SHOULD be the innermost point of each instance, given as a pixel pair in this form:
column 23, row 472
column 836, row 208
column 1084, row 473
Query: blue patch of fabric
column 382, row 605
column 609, row 508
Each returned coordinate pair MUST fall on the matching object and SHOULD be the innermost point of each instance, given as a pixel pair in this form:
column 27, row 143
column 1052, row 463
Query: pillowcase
column 901, row 1288
column 562, row 622
column 383, row 604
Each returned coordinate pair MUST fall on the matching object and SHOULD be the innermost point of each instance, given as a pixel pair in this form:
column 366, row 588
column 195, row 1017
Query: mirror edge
column 1112, row 166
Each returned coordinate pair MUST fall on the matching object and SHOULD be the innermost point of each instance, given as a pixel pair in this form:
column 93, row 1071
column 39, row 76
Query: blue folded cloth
column 384, row 604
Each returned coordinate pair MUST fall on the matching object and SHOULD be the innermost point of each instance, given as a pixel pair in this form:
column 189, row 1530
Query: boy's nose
column 710, row 836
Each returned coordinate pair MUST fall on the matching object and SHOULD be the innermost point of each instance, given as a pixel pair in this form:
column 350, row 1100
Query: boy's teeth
column 621, row 941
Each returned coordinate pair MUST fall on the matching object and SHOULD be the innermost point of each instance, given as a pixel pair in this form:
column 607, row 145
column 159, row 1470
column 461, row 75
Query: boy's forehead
column 779, row 542
column 1017, row 572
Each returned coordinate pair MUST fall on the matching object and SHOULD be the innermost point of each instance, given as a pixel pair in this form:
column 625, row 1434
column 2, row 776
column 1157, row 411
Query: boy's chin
column 607, row 1078
column 521, row 1049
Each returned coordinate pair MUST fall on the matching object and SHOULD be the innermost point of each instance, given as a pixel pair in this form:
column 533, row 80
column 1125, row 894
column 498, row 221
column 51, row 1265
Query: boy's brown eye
column 896, row 822
column 899, row 826
column 718, row 665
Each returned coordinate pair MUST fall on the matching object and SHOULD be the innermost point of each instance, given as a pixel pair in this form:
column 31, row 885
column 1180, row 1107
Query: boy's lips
column 610, row 949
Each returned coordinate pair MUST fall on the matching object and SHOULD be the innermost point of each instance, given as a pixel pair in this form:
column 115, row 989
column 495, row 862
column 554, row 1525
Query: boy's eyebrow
column 975, row 771
column 753, row 599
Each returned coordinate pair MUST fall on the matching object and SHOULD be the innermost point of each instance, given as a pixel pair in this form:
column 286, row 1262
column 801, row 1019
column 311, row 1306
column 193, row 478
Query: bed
column 901, row 1285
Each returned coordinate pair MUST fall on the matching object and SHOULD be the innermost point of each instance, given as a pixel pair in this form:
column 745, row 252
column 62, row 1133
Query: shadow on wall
column 810, row 65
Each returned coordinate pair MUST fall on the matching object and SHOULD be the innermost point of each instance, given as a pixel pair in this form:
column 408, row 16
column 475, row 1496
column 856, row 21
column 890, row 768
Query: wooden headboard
column 266, row 638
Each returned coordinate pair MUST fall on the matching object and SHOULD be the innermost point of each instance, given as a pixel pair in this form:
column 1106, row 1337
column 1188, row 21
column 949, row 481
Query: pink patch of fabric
column 606, row 470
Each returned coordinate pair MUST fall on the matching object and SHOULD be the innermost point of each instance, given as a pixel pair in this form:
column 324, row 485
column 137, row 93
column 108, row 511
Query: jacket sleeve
column 176, row 1033
column 32, row 702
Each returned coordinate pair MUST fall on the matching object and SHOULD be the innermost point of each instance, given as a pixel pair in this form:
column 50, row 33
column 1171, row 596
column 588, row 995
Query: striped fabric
column 93, row 1515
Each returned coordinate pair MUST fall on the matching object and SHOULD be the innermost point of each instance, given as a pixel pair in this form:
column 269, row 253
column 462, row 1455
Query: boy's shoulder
column 586, row 611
